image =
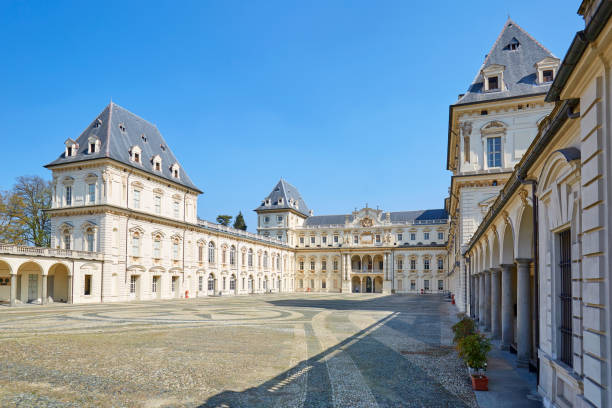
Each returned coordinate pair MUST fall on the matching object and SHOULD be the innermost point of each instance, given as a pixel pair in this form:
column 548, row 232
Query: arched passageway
column 355, row 284
column 58, row 286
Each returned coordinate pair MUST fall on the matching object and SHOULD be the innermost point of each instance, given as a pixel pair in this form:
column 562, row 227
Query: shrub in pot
column 474, row 349
column 462, row 328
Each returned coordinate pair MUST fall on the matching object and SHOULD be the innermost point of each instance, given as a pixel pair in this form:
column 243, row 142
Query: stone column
column 44, row 289
column 523, row 312
column 13, row 289
column 507, row 309
column 481, row 300
column 495, row 304
column 487, row 325
column 476, row 290
column 70, row 279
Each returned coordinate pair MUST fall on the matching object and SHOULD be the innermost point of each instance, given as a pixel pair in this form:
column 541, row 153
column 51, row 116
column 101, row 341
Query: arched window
column 278, row 263
column 200, row 252
column 233, row 282
column 233, row 255
column 211, row 282
column 66, row 238
column 211, row 252
column 250, row 257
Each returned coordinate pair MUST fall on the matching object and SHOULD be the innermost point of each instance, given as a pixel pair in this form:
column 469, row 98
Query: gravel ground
column 270, row 350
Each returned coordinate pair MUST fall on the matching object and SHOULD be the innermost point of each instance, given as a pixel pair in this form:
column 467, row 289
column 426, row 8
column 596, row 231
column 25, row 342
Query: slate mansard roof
column 398, row 217
column 520, row 74
column 284, row 196
column 116, row 143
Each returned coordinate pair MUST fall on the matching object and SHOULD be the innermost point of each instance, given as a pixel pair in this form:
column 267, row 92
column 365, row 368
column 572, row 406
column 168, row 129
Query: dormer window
column 175, row 170
column 513, row 45
column 97, row 123
column 122, row 127
column 280, row 201
column 493, row 77
column 135, row 154
column 157, row 163
column 72, row 148
column 546, row 70
column 93, row 145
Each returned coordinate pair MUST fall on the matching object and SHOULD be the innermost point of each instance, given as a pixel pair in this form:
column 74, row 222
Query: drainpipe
column 536, row 280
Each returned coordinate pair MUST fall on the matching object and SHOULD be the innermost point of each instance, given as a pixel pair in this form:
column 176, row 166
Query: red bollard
column 186, row 294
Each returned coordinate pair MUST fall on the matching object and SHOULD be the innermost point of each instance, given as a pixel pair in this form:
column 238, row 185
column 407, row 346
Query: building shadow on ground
column 393, row 378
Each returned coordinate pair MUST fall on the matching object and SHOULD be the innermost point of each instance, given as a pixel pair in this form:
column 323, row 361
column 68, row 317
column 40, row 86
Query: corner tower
column 282, row 210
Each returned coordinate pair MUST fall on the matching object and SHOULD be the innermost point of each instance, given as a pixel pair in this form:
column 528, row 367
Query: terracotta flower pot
column 480, row 382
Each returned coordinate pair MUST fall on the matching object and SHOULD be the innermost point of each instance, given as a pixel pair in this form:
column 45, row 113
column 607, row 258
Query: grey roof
column 399, row 217
column 291, row 199
column 116, row 144
column 519, row 74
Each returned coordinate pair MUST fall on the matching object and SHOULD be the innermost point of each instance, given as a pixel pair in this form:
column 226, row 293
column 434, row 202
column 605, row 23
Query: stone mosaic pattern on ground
column 258, row 351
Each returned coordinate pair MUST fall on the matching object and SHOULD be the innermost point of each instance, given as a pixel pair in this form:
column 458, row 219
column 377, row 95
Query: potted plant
column 474, row 349
column 462, row 328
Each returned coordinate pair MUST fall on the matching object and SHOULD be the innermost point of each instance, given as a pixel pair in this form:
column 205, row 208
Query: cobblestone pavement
column 315, row 350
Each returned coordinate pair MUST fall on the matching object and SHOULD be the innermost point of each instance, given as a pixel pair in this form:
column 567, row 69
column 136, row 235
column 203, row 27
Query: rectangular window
column 68, row 195
column 312, row 240
column 494, row 152
column 324, row 239
column 87, row 285
column 301, row 240
column 336, row 239
column 200, row 253
column 279, row 218
column 66, row 241
column 426, row 236
column 400, row 237
column 312, row 265
column 211, row 283
column 400, row 264
column 200, row 283
column 91, row 190
column 232, row 284
column 156, row 249
column 378, row 238
column 279, row 237
column 441, row 236
column 355, row 239
column 132, row 284
column 426, row 284
column 493, row 83
column 154, row 283
column 323, row 285
column 412, row 236
column 176, row 209
column 173, row 284
column 136, row 199
column 301, row 265
column 413, row 264
column 135, row 246
column 565, row 297
column 440, row 285
column 440, row 264
column 324, row 265
column 90, row 242
column 548, row 75
column 157, row 204
column 175, row 250
column 426, row 264
column 335, row 265
column 412, row 285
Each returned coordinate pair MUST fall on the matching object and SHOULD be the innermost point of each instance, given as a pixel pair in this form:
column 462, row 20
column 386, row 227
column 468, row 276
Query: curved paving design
column 258, row 351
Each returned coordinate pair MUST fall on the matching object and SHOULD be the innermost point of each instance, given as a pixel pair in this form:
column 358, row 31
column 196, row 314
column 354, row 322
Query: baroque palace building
column 124, row 226
column 531, row 238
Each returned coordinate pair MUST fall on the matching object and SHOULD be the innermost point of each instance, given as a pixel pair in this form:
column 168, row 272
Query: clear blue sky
column 347, row 100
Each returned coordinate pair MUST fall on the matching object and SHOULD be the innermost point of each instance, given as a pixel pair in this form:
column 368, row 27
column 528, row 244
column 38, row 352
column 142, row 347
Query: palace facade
column 124, row 226
column 530, row 236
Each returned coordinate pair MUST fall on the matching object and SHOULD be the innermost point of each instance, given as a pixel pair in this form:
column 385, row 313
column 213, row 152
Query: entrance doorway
column 32, row 287
column 369, row 285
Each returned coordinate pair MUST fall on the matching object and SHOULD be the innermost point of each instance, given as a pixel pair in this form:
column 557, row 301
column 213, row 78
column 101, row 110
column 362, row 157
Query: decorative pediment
column 367, row 218
column 493, row 127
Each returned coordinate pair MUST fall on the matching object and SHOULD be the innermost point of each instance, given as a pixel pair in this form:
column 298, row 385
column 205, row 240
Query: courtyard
column 309, row 350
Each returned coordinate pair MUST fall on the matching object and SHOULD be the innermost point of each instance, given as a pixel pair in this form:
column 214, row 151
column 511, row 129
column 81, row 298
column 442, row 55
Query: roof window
column 135, row 153
column 122, row 127
column 163, row 147
column 144, row 138
column 513, row 45
column 72, row 148
column 97, row 123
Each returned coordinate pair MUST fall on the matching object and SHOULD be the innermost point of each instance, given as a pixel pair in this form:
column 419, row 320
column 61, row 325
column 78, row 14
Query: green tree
column 224, row 219
column 23, row 217
column 239, row 222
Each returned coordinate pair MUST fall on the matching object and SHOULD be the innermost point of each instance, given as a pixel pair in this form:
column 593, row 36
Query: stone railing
column 8, row 249
column 393, row 224
column 239, row 233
